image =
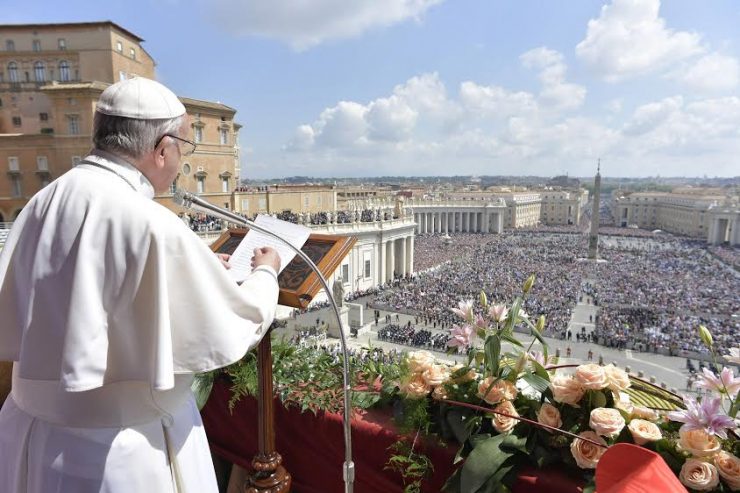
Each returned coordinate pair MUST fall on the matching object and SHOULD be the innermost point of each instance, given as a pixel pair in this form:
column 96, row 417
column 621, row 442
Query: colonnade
column 458, row 222
column 396, row 257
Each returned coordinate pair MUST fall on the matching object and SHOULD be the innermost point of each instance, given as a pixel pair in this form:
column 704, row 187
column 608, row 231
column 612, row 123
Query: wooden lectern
column 298, row 285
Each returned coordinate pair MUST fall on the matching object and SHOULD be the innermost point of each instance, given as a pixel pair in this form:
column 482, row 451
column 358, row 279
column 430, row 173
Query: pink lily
column 464, row 310
column 726, row 381
column 461, row 336
column 498, row 313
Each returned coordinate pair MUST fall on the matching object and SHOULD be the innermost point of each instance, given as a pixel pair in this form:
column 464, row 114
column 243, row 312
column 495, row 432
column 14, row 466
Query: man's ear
column 159, row 152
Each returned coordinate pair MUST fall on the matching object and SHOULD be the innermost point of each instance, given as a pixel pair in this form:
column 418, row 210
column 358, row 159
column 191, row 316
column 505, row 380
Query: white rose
column 698, row 443
column 439, row 393
column 699, row 475
column 420, row 361
column 616, row 378
column 549, row 415
column 566, row 390
column 465, row 377
column 644, row 431
column 591, row 376
column 436, row 375
column 606, row 421
column 504, row 424
column 587, row 454
column 729, row 469
column 644, row 413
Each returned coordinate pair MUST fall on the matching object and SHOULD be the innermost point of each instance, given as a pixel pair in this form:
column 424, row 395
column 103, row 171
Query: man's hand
column 266, row 256
column 224, row 258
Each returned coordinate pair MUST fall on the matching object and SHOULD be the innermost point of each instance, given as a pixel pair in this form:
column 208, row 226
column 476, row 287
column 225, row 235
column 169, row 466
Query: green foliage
column 413, row 466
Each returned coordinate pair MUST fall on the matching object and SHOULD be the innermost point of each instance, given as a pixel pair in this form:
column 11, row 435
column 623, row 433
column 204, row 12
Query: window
column 13, row 72
column 64, row 71
column 39, row 71
column 225, row 185
column 44, row 117
column 201, row 183
column 367, row 269
column 121, row 75
column 132, row 53
column 17, row 191
column 345, row 273
column 42, row 164
column 119, row 47
column 1, row 100
column 45, row 180
column 76, row 160
column 36, row 45
column 173, row 186
column 73, row 122
column 13, row 165
column 17, row 121
column 224, row 136
column 10, row 45
column 198, row 132
column 62, row 43
column 186, row 169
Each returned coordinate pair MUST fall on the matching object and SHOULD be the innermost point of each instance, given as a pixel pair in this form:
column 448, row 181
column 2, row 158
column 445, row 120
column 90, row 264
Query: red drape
column 312, row 448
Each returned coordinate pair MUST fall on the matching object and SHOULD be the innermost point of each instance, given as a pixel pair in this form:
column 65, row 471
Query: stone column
column 500, row 222
column 486, row 222
column 429, row 222
column 381, row 262
column 475, row 222
column 402, row 259
column 390, row 263
column 410, row 254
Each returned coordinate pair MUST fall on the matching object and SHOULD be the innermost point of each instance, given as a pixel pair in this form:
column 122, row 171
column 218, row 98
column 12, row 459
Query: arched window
column 13, row 72
column 64, row 71
column 39, row 71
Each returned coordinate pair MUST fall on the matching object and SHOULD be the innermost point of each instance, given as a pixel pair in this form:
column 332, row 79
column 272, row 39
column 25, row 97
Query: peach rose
column 591, row 376
column 644, row 413
column 616, row 378
column 436, row 375
column 549, row 415
column 420, row 361
column 566, row 389
column 587, row 454
column 439, row 393
column 729, row 469
column 501, row 390
column 504, row 424
column 698, row 443
column 415, row 387
column 465, row 377
column 606, row 421
column 644, row 431
column 699, row 475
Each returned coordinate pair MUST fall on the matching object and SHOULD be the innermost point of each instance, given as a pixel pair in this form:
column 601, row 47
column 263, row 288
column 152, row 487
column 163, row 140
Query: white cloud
column 630, row 38
column 303, row 23
column 556, row 93
column 712, row 73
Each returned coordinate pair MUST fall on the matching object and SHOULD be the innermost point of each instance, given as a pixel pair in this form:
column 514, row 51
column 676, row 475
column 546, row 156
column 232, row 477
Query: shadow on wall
column 6, row 369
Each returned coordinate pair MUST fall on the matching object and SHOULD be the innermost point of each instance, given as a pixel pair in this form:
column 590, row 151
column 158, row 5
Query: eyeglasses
column 186, row 150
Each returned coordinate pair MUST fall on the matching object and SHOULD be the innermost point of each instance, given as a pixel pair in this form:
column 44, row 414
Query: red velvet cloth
column 312, row 448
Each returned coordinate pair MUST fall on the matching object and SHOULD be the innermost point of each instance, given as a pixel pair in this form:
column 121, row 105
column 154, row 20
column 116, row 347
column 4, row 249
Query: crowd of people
column 652, row 293
column 408, row 335
column 201, row 223
column 336, row 217
column 498, row 265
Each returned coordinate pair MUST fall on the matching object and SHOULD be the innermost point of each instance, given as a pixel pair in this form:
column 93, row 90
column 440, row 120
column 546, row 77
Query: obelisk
column 593, row 236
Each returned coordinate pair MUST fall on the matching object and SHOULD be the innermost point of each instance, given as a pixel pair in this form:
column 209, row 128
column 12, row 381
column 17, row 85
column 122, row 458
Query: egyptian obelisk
column 593, row 236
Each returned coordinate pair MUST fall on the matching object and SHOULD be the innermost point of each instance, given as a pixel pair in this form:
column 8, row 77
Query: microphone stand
column 191, row 201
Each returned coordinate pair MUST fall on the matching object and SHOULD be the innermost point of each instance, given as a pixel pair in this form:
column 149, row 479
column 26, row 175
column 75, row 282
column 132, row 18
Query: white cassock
column 108, row 306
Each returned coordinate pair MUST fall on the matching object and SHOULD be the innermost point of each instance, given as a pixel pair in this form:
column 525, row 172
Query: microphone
column 189, row 200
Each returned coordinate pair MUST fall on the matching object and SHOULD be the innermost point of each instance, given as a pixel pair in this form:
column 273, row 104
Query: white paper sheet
column 241, row 259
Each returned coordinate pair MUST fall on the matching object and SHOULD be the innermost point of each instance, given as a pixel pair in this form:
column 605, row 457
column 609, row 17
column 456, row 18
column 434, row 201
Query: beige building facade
column 562, row 207
column 273, row 200
column 51, row 76
column 699, row 213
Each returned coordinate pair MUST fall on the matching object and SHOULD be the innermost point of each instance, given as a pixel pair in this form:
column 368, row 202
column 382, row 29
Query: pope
column 110, row 305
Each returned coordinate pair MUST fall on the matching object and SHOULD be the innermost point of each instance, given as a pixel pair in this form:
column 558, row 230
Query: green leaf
column 599, row 399
column 536, row 382
column 456, row 418
column 493, row 354
column 483, row 462
column 511, row 339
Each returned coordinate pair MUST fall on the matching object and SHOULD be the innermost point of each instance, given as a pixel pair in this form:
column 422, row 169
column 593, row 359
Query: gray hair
column 130, row 136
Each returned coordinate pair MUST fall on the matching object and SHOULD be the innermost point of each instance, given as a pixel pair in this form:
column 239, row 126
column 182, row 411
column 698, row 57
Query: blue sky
column 445, row 87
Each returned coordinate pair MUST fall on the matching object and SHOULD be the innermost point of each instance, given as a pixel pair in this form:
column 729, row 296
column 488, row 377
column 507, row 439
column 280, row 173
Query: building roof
column 206, row 104
column 66, row 86
column 72, row 25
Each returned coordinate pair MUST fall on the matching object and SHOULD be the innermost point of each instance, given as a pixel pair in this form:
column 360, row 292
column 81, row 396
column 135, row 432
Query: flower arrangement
column 513, row 407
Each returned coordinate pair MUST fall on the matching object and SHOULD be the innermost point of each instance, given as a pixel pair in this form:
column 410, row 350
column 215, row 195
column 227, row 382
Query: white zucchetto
column 140, row 98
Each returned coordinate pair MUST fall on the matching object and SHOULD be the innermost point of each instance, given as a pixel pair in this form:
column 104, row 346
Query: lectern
column 298, row 285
